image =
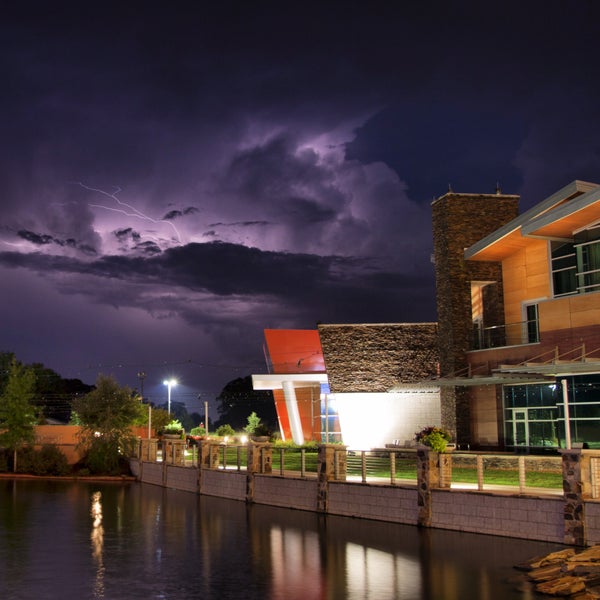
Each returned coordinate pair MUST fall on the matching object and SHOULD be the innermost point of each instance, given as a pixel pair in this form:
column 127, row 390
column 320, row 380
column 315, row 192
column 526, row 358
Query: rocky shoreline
column 567, row 573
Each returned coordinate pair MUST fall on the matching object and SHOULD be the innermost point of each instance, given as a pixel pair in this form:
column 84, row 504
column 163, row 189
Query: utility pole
column 141, row 376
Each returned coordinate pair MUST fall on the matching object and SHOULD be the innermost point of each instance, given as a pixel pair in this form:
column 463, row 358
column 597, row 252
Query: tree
column 17, row 413
column 238, row 399
column 255, row 426
column 54, row 395
column 106, row 415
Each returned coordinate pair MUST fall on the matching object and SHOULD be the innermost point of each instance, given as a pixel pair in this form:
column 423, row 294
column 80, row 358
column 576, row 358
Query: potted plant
column 173, row 430
column 434, row 437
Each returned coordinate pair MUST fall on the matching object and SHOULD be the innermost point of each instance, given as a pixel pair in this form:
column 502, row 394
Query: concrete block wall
column 152, row 473
column 285, row 491
column 382, row 503
column 224, row 484
column 505, row 515
column 182, row 478
column 508, row 515
column 592, row 522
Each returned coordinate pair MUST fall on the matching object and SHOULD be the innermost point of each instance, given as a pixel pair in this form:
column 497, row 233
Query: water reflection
column 97, row 537
column 73, row 540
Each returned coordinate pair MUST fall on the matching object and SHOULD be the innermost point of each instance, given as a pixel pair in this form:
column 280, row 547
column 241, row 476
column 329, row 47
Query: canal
column 68, row 540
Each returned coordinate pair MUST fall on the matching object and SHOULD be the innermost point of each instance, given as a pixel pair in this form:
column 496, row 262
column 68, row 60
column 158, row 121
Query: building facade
column 366, row 385
column 519, row 318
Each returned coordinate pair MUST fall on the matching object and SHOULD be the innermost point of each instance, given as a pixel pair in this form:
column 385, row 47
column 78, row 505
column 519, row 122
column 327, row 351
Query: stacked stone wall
column 376, row 357
column 459, row 221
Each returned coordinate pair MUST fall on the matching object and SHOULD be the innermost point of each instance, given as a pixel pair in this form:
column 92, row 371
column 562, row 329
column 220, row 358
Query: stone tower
column 460, row 220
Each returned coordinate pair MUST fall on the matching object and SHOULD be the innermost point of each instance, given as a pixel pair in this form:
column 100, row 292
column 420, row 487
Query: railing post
column 210, row 454
column 281, row 461
column 302, row 462
column 239, row 458
column 574, row 505
column 480, row 472
column 363, row 466
column 522, row 475
column 258, row 460
column 392, row 468
column 330, row 455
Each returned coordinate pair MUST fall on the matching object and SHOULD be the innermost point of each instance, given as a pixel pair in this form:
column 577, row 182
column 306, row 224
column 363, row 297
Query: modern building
column 367, row 385
column 519, row 318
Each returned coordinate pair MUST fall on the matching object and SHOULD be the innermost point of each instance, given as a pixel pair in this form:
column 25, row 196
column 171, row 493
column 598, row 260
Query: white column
column 291, row 404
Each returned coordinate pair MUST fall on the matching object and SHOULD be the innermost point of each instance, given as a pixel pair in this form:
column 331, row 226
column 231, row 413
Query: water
column 69, row 540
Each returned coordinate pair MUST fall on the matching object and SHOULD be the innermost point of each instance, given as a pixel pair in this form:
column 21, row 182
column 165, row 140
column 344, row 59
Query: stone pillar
column 331, row 466
column 209, row 454
column 574, row 507
column 149, row 449
column 259, row 460
column 174, row 452
column 434, row 471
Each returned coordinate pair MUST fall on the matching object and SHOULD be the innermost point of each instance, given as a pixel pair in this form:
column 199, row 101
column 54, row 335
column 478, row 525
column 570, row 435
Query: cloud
column 301, row 284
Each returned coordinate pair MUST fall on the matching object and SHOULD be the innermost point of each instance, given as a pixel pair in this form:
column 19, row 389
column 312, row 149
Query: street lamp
column 169, row 383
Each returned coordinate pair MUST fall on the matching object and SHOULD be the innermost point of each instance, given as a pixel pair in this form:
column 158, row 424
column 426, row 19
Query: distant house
column 519, row 317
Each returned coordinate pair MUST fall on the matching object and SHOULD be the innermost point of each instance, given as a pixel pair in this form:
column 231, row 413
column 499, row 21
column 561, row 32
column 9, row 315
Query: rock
column 563, row 586
column 588, row 555
column 546, row 573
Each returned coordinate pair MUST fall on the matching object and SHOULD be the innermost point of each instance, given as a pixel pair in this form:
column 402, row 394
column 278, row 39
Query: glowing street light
column 169, row 383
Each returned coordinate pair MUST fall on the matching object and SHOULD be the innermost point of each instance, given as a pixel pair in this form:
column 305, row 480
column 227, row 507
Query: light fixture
column 169, row 383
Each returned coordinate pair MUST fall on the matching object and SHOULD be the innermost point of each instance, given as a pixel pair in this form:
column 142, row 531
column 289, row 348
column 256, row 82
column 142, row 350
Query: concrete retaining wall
column 286, row 491
column 181, row 478
column 383, row 503
column 152, row 473
column 592, row 522
column 224, row 484
column 504, row 514
column 513, row 516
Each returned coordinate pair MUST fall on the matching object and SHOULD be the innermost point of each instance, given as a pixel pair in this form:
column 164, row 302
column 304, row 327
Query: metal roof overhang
column 550, row 218
column 275, row 381
column 527, row 373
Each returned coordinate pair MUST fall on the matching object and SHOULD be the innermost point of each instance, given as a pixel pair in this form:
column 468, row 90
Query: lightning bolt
column 127, row 210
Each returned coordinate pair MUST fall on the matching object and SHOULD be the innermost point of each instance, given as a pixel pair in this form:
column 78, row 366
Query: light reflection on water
column 112, row 541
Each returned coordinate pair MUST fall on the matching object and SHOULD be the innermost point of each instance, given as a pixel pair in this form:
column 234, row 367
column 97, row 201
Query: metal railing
column 467, row 470
column 510, row 334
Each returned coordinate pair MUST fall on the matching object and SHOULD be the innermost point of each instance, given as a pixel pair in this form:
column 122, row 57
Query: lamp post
column 169, row 383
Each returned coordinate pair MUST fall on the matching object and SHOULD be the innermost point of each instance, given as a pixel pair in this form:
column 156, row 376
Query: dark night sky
column 177, row 177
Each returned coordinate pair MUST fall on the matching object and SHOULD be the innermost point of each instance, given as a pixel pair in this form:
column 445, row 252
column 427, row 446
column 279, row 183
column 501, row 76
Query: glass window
column 589, row 270
column 533, row 334
column 534, row 415
column 564, row 268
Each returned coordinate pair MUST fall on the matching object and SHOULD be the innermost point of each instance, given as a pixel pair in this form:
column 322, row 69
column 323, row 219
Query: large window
column 588, row 276
column 576, row 266
column 534, row 415
column 564, row 268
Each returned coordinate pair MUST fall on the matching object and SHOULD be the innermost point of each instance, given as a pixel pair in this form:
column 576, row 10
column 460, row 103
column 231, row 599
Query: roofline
column 375, row 324
column 573, row 206
column 569, row 190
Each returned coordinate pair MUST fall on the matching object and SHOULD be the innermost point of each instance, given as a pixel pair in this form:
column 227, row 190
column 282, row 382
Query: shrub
column 225, row 430
column 3, row 461
column 53, row 461
column 49, row 460
column 174, row 427
column 435, row 437
column 103, row 458
column 198, row 431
